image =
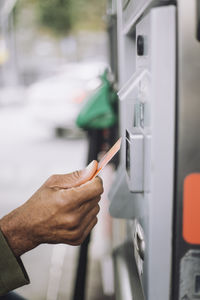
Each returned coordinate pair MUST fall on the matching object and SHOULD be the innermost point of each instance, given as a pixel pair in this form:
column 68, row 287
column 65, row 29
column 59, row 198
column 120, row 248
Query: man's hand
column 63, row 210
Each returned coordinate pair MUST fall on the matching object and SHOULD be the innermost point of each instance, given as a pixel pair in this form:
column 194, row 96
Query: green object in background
column 98, row 112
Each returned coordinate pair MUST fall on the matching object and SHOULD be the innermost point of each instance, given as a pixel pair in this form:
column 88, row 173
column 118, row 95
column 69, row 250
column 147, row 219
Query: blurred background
column 51, row 55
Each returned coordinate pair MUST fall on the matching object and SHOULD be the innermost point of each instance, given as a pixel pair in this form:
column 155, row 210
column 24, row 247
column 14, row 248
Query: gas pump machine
column 155, row 199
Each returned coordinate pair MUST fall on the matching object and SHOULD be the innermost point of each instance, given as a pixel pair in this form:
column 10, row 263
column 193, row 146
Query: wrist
column 15, row 233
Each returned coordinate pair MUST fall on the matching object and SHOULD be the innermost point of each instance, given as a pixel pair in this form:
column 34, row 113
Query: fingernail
column 90, row 164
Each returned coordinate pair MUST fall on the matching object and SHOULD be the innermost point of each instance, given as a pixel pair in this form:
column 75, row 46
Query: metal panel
column 133, row 9
column 127, row 279
column 188, row 141
column 163, row 76
column 153, row 82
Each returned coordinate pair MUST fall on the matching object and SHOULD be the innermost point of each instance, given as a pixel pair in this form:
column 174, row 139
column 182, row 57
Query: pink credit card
column 108, row 156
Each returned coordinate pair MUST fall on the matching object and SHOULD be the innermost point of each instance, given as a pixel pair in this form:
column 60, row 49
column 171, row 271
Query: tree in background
column 61, row 16
column 55, row 14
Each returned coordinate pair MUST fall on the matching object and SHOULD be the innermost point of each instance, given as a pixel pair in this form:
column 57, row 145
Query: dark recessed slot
column 197, row 284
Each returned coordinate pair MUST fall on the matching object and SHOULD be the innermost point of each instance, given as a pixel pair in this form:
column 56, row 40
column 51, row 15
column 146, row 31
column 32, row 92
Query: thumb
column 73, row 179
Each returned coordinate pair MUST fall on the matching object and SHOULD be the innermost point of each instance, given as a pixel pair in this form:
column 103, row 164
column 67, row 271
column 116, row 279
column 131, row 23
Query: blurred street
column 46, row 76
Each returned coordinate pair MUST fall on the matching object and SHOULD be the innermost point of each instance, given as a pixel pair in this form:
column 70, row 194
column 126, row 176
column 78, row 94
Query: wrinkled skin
column 63, row 210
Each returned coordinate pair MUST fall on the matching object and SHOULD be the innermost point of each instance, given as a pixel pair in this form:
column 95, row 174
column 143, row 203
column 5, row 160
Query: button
column 140, row 45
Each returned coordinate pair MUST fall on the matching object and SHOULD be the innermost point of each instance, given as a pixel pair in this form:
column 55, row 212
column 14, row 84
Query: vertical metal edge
column 187, row 126
column 163, row 123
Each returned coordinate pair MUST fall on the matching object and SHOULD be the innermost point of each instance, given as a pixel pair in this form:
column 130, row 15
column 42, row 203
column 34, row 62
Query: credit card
column 108, row 156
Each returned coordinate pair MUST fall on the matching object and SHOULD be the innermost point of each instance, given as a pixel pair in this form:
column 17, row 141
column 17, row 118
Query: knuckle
column 101, row 189
column 98, row 198
column 80, row 240
column 67, row 223
column 99, row 179
column 95, row 210
column 100, row 185
column 62, row 199
column 77, row 243
column 74, row 221
column 77, row 235
column 95, row 221
column 77, row 220
column 98, row 208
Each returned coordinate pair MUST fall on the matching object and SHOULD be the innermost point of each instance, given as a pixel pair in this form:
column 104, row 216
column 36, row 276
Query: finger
column 89, row 217
column 86, row 192
column 87, row 231
column 73, row 179
column 85, row 208
column 76, row 232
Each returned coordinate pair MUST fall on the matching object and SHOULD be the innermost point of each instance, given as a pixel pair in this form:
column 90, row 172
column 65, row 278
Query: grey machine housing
column 146, row 194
